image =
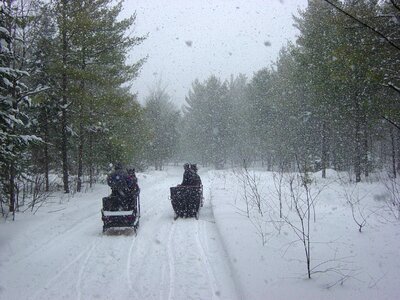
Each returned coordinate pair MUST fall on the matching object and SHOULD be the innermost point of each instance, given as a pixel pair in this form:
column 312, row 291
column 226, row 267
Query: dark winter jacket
column 190, row 178
column 196, row 181
column 187, row 177
column 119, row 181
column 134, row 186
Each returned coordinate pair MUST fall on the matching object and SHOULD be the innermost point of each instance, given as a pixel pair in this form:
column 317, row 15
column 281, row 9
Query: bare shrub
column 301, row 200
column 37, row 192
column 392, row 187
column 359, row 212
column 302, row 203
column 257, row 208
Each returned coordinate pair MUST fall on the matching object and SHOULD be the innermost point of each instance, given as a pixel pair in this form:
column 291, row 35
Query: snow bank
column 349, row 264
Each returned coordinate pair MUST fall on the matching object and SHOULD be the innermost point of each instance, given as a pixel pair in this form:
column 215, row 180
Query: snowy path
column 64, row 255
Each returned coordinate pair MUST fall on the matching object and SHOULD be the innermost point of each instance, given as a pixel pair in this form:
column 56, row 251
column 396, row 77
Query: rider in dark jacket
column 119, row 181
column 187, row 175
column 197, row 182
column 190, row 176
column 134, row 186
column 195, row 177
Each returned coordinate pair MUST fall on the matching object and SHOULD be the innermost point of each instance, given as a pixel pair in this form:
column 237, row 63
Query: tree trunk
column 11, row 26
column 269, row 162
column 357, row 155
column 11, row 188
column 81, row 123
column 324, row 149
column 393, row 151
column 90, row 159
column 365, row 146
column 80, row 158
column 64, row 143
column 64, row 150
column 46, row 151
column 397, row 149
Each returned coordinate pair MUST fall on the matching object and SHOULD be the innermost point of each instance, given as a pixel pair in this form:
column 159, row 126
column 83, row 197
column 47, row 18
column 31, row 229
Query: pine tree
column 14, row 99
column 162, row 118
column 207, row 122
column 85, row 67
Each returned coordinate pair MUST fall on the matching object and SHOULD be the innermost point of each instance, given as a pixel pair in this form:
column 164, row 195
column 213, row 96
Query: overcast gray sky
column 191, row 39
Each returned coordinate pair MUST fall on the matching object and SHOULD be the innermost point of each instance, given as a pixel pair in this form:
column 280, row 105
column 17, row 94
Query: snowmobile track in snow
column 70, row 257
column 53, row 240
column 210, row 274
column 171, row 263
column 82, row 269
column 88, row 251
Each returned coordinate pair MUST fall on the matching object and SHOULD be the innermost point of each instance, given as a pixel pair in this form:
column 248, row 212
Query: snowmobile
column 121, row 211
column 186, row 200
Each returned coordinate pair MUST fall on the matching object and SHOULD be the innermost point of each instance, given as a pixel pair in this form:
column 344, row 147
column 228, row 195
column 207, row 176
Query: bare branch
column 391, row 122
column 395, row 5
column 364, row 24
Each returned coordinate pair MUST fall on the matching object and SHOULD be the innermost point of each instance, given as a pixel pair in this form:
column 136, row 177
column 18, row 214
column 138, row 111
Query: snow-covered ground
column 61, row 252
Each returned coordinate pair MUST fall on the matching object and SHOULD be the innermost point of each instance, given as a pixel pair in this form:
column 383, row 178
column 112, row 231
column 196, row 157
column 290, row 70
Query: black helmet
column 186, row 166
column 194, row 167
column 118, row 166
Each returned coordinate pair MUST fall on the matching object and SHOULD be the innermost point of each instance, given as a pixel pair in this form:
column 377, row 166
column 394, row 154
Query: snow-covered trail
column 64, row 254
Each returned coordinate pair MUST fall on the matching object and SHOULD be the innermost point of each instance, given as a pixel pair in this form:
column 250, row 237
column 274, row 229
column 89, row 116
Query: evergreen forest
column 68, row 111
